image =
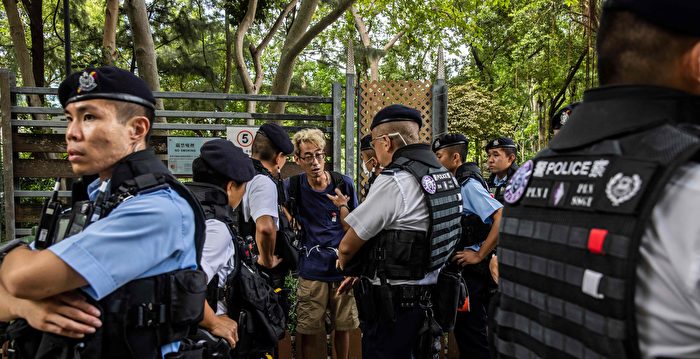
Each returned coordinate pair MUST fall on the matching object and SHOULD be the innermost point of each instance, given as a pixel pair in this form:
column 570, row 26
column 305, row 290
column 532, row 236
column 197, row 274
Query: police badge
column 428, row 183
column 517, row 185
column 621, row 188
column 87, row 82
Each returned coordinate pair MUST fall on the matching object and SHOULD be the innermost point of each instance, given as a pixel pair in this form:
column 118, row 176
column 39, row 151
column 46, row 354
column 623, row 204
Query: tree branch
column 316, row 29
column 241, row 30
column 559, row 98
column 394, row 40
column 361, row 28
column 278, row 23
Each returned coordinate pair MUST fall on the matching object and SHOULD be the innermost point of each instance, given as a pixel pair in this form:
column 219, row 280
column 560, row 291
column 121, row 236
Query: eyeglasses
column 310, row 158
column 371, row 142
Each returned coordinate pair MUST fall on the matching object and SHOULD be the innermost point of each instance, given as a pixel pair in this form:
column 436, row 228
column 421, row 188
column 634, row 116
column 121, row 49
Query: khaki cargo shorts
column 314, row 298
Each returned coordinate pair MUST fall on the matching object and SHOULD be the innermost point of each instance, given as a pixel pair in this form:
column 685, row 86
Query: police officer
column 561, row 117
column 481, row 216
column 399, row 239
column 502, row 153
column 220, row 175
column 147, row 234
column 370, row 164
column 599, row 249
column 264, row 194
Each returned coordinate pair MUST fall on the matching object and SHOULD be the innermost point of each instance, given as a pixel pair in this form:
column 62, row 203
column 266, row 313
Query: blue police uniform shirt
column 149, row 234
column 477, row 200
column 498, row 182
column 323, row 229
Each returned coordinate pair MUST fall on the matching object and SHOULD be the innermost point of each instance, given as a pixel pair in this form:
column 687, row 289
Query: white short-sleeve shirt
column 217, row 256
column 668, row 285
column 394, row 202
column 260, row 199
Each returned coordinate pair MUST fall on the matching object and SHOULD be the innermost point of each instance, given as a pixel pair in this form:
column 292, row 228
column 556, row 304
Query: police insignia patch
column 621, row 188
column 564, row 117
column 87, row 82
column 428, row 183
column 517, row 185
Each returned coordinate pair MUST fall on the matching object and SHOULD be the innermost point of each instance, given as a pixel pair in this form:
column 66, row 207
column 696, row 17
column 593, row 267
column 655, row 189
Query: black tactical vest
column 410, row 255
column 145, row 314
column 497, row 191
column 474, row 230
column 570, row 235
column 214, row 202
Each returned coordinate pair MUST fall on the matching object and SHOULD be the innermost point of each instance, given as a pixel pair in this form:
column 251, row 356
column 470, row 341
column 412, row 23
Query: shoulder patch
column 518, row 183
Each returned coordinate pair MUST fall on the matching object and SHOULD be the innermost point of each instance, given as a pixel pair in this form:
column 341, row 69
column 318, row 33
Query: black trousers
column 470, row 328
column 397, row 340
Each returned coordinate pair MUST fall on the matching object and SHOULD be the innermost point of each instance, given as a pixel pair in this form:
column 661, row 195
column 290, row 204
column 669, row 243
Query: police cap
column 680, row 16
column 108, row 83
column 366, row 143
column 501, row 142
column 278, row 136
column 228, row 160
column 449, row 139
column 393, row 113
column 562, row 116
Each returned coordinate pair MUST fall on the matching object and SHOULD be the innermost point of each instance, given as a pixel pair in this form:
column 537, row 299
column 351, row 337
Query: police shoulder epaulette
column 390, row 171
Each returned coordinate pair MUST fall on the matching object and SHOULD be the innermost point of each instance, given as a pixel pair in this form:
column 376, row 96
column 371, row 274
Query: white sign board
column 182, row 151
column 242, row 136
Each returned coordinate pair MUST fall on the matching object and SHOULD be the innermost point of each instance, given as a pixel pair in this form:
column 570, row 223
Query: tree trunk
column 109, row 39
column 21, row 51
column 372, row 58
column 297, row 39
column 229, row 64
column 144, row 50
column 36, row 29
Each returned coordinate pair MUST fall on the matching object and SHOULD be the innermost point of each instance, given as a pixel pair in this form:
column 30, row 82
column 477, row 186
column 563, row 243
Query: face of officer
column 96, row 136
column 369, row 162
column 235, row 192
column 498, row 162
column 449, row 159
column 311, row 158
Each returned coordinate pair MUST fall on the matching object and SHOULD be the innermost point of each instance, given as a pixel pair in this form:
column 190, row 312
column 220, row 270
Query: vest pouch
column 405, row 254
column 188, row 292
column 446, row 298
column 29, row 343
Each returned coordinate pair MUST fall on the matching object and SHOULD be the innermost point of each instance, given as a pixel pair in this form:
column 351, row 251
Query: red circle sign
column 244, row 138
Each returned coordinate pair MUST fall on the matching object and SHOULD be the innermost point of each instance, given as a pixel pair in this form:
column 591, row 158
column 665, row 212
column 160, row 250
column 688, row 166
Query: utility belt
column 384, row 301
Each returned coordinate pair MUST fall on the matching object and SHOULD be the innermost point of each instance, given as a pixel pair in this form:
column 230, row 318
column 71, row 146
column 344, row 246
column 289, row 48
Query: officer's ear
column 138, row 127
column 690, row 70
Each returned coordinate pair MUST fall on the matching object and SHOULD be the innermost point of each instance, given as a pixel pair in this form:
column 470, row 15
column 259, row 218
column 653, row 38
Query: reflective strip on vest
column 563, row 272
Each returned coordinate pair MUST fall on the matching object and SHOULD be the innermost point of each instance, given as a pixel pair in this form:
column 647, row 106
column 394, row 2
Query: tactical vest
column 474, row 230
column 569, row 242
column 214, row 202
column 286, row 236
column 410, row 255
column 145, row 314
column 497, row 191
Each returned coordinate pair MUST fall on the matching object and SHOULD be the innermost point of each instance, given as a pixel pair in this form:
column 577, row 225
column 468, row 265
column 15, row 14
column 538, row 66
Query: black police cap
column 680, row 16
column 562, row 116
column 228, row 160
column 366, row 143
column 501, row 142
column 108, row 83
column 278, row 136
column 393, row 113
column 449, row 139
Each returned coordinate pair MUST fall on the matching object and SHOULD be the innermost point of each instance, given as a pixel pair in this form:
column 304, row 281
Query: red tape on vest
column 596, row 239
